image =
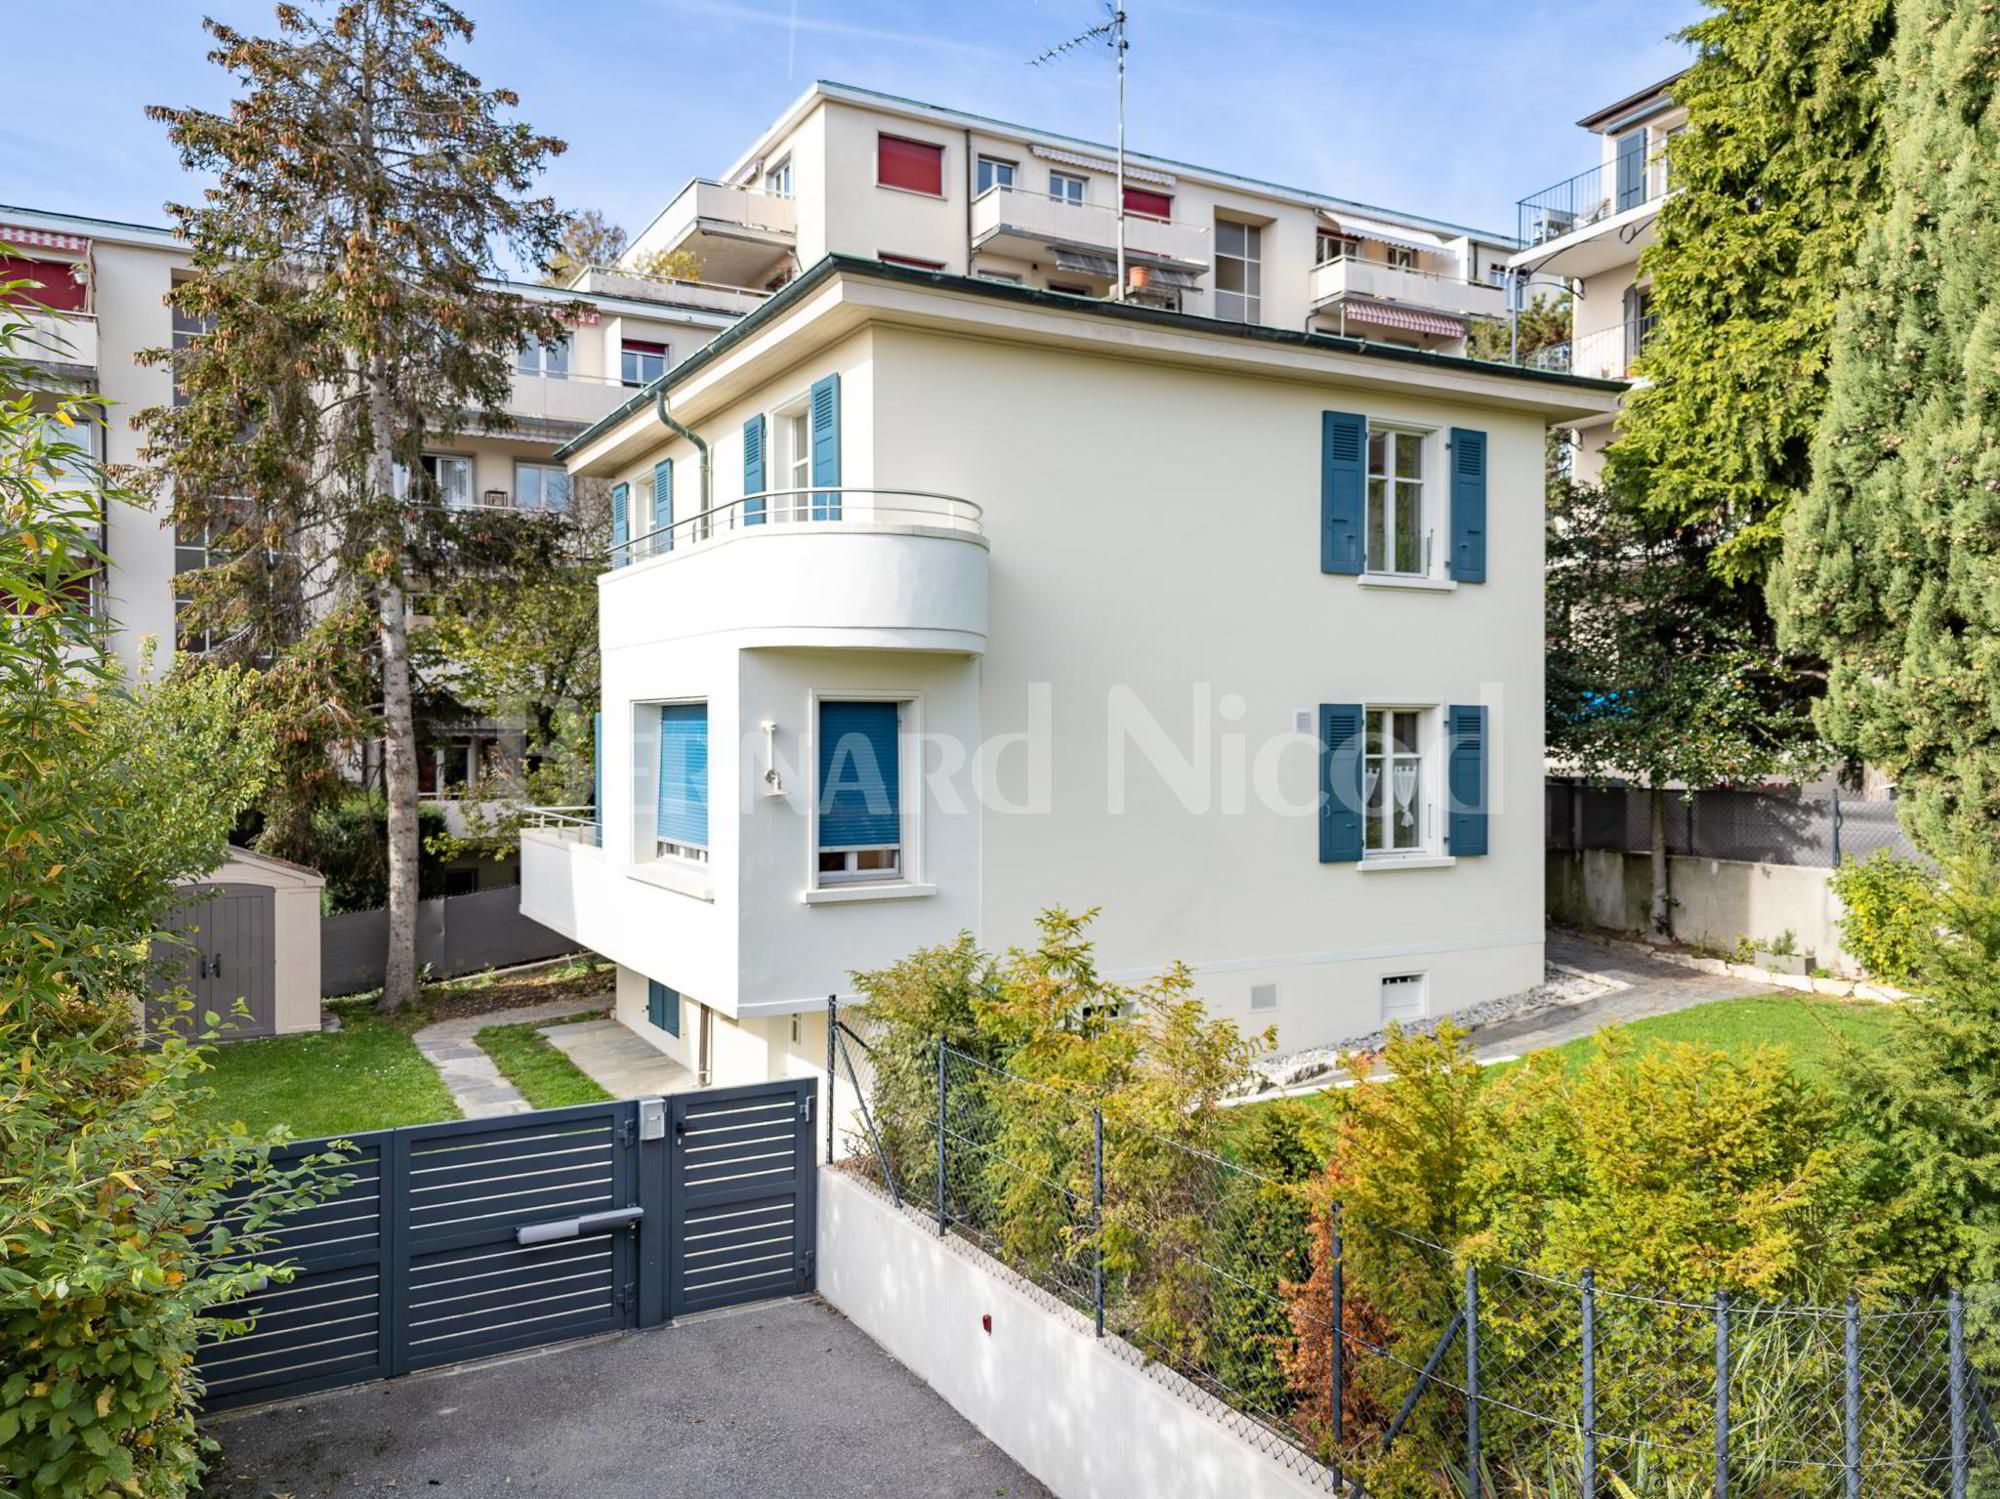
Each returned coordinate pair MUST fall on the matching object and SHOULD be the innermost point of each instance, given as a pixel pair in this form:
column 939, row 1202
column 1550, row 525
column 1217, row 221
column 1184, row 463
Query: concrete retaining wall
column 1718, row 901
column 1063, row 1405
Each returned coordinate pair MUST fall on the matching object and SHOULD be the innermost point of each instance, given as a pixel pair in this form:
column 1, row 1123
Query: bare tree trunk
column 399, row 728
column 1662, row 904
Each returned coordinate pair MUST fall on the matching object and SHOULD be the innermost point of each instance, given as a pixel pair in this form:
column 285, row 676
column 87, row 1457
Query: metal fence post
column 1474, row 1487
column 1852, row 1422
column 1721, row 1395
column 1589, row 1384
column 832, row 1024
column 1339, row 1350
column 1097, row 1217
column 940, row 1136
column 1959, row 1384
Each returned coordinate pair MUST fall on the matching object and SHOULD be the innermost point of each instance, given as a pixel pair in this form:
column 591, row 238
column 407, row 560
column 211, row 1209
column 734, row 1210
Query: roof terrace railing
column 1591, row 197
column 779, row 510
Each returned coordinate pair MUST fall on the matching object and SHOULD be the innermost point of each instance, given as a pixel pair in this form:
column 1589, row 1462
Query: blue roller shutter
column 663, row 1007
column 753, row 471
column 824, row 422
column 621, row 495
column 859, row 776
column 1343, row 484
column 1340, row 797
column 1468, row 505
column 1465, row 780
column 683, row 799
column 663, row 504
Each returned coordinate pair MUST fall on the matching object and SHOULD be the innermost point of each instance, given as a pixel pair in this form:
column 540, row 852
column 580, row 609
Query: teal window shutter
column 663, row 1007
column 1468, row 505
column 824, row 421
column 621, row 496
column 859, row 780
column 663, row 503
column 1343, row 487
column 753, row 471
column 597, row 779
column 683, row 795
column 1340, row 795
column 1465, row 779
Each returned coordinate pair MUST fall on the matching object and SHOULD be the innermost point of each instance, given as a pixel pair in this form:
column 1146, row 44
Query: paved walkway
column 1644, row 986
column 785, row 1397
column 618, row 1060
column 475, row 1083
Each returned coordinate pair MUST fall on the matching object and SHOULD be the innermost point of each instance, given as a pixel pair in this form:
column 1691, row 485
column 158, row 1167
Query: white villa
column 946, row 590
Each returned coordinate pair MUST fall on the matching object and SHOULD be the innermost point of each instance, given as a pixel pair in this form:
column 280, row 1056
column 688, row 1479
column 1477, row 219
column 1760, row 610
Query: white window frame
column 909, row 790
column 533, row 357
column 402, row 478
column 1400, row 257
column 985, row 180
column 665, row 356
column 1430, row 508
column 778, row 178
column 1420, row 983
column 543, row 470
column 1251, row 302
column 649, row 847
column 1345, row 247
column 1427, row 789
column 1060, row 184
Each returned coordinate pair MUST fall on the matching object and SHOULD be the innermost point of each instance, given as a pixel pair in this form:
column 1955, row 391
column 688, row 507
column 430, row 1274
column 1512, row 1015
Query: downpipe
column 700, row 446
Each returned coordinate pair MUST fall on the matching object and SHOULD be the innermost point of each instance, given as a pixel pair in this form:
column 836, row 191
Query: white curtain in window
column 1406, row 792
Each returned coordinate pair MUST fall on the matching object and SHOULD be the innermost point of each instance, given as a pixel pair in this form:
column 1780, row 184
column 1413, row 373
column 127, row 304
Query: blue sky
column 1453, row 109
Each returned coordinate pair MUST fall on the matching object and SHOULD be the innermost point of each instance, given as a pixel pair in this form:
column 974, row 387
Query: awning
column 1087, row 263
column 44, row 239
column 1098, row 164
column 1167, row 275
column 1408, row 318
column 1386, row 234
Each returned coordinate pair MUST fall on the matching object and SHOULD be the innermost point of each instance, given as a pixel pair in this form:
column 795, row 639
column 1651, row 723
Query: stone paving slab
column 479, row 1088
column 620, row 1062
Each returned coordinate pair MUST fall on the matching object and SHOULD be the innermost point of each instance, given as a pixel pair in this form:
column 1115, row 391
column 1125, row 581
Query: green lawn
column 1814, row 1028
column 367, row 1075
column 547, row 1078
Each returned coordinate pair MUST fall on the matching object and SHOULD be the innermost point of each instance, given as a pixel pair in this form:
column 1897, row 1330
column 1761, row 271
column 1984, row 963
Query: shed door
column 229, row 956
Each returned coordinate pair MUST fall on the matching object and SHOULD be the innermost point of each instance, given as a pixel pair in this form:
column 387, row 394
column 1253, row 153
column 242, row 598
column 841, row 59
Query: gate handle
column 575, row 1228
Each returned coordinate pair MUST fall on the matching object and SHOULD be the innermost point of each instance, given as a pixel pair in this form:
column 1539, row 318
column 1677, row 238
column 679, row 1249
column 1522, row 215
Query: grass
column 369, row 1074
column 1816, row 1030
column 546, row 1077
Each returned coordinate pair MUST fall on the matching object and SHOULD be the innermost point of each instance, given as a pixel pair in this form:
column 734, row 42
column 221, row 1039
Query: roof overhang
column 1647, row 101
column 838, row 296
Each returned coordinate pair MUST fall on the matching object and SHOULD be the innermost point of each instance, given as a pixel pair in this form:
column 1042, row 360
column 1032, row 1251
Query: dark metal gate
column 458, row 1241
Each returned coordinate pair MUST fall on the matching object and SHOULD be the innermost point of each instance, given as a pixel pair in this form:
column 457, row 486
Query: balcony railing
column 1353, row 275
column 565, row 824
column 1591, row 197
column 1038, row 219
column 1607, row 354
column 782, row 510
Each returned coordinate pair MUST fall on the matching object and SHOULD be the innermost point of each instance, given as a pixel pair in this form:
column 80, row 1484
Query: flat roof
column 1000, row 291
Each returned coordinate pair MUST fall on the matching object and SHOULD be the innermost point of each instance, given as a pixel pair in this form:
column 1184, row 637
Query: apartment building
column 850, row 171
column 1590, row 230
column 939, row 600
column 105, row 286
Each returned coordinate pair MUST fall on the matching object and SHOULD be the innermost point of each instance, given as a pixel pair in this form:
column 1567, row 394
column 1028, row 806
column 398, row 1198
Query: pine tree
column 1891, row 569
column 1779, row 166
column 342, row 270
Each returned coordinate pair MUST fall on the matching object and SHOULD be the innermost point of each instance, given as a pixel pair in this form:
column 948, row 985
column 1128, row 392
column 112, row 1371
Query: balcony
column 1034, row 226
column 1607, row 354
column 709, row 295
column 1567, row 229
column 1346, row 276
column 854, row 569
column 743, row 238
column 65, row 341
column 571, row 402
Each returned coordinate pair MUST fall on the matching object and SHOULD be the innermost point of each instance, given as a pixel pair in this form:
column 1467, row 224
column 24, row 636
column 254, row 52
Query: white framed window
column 1401, row 523
column 549, row 359
column 679, row 764
column 1067, row 187
column 778, row 179
column 541, row 486
column 641, row 361
column 1402, row 257
column 1405, row 997
column 1239, row 272
column 993, row 172
column 1398, row 797
column 447, row 481
column 1332, row 245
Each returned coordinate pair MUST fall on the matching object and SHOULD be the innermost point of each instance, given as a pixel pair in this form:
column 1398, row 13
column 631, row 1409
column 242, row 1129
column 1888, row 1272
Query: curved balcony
column 845, row 568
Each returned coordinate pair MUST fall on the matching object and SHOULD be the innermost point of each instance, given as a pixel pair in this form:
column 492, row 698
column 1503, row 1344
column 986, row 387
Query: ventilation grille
column 1263, row 996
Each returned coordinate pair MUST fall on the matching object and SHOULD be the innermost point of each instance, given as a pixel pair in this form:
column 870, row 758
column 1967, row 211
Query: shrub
column 1891, row 913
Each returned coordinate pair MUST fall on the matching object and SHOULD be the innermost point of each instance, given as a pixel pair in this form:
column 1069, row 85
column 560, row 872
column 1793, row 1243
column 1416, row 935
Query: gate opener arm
column 575, row 1228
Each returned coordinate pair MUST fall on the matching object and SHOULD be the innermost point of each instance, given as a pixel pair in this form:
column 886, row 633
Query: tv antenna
column 1110, row 32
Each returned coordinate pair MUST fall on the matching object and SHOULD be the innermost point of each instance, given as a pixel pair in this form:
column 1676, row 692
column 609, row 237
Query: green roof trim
column 1000, row 291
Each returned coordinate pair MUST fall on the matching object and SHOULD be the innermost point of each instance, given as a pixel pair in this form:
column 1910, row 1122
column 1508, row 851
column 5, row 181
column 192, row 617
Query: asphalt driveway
column 786, row 1397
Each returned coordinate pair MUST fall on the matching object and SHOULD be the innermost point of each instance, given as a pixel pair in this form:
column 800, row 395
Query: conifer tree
column 342, row 278
column 1891, row 568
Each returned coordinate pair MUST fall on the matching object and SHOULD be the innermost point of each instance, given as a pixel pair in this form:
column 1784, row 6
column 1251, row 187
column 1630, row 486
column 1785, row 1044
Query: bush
column 1892, row 912
column 351, row 849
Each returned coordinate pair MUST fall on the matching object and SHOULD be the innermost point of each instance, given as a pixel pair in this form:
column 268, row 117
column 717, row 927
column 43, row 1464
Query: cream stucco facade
column 1080, row 549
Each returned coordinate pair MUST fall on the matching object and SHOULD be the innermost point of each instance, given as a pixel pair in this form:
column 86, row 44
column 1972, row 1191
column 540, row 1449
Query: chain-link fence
column 1764, row 827
column 1227, row 1283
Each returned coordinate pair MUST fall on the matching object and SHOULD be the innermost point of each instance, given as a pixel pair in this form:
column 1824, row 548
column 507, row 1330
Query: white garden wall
column 1062, row 1404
